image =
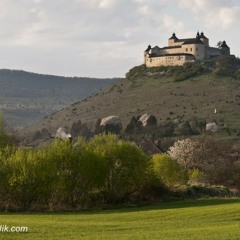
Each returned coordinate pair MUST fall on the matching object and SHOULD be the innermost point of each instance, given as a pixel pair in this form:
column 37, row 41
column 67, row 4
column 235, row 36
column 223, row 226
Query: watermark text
column 13, row 229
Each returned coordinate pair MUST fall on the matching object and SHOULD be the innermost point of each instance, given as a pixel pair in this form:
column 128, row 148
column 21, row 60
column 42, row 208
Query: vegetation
column 105, row 171
column 179, row 73
column 221, row 67
column 62, row 175
column 168, row 170
column 228, row 67
column 183, row 220
column 211, row 161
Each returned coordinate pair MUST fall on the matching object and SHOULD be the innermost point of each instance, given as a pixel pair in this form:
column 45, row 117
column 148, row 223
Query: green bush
column 168, row 170
column 125, row 166
column 21, row 180
column 78, row 172
column 187, row 71
column 228, row 67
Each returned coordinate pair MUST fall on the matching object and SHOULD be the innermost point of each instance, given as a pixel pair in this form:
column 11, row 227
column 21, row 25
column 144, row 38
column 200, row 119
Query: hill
column 176, row 94
column 27, row 97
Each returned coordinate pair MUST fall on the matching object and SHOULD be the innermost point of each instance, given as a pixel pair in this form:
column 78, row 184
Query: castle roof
column 156, row 48
column 173, row 37
column 224, row 45
column 148, row 48
column 184, row 39
column 192, row 41
column 171, row 47
column 153, row 55
column 202, row 35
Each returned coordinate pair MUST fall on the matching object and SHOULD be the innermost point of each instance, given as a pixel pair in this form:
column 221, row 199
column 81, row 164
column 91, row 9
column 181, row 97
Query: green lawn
column 197, row 219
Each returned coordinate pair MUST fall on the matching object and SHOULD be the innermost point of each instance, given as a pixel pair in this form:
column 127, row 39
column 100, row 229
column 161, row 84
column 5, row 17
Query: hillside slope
column 27, row 97
column 154, row 92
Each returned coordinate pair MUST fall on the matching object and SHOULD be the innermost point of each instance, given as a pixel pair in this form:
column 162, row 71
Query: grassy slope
column 199, row 219
column 156, row 95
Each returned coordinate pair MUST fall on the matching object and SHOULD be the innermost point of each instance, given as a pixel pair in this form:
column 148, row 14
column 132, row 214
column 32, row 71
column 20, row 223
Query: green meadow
column 192, row 219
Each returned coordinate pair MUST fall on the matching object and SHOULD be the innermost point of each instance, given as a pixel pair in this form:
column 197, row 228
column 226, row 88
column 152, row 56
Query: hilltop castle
column 180, row 51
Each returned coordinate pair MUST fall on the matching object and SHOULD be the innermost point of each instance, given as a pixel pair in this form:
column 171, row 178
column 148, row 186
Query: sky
column 105, row 38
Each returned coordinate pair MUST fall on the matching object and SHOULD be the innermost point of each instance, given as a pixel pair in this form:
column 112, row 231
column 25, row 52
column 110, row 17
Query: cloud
column 106, row 3
column 170, row 23
column 220, row 14
column 224, row 18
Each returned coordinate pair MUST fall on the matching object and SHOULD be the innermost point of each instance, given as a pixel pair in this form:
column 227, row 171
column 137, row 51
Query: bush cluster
column 63, row 175
column 209, row 161
column 179, row 73
column 188, row 70
column 229, row 67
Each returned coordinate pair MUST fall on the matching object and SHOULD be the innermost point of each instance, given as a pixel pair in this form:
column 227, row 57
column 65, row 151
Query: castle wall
column 205, row 41
column 214, row 52
column 211, row 51
column 198, row 50
column 168, row 60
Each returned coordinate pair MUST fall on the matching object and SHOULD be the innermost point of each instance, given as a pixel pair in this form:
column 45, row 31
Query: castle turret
column 225, row 48
column 172, row 40
column 147, row 52
column 204, row 39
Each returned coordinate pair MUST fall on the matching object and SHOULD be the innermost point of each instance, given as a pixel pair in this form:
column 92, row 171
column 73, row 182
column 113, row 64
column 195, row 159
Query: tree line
column 105, row 171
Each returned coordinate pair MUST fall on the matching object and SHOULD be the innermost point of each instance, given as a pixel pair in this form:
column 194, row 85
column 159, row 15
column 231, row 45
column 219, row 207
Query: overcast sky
column 105, row 38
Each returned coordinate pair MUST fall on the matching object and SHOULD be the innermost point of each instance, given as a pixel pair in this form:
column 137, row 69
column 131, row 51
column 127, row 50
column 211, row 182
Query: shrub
column 22, row 179
column 78, row 171
column 187, row 71
column 168, row 170
column 195, row 175
column 209, row 156
column 125, row 166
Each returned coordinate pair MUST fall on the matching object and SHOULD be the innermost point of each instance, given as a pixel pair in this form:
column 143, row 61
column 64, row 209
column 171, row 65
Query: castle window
column 190, row 49
column 186, row 49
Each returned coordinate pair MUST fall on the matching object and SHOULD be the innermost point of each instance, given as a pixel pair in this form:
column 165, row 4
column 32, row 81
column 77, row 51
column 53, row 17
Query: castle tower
column 225, row 48
column 204, row 39
column 146, row 52
column 172, row 40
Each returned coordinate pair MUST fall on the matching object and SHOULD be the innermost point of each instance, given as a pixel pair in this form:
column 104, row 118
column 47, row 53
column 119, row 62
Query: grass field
column 196, row 219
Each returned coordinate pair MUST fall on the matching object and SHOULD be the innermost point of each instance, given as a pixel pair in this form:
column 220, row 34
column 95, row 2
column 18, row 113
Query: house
column 180, row 51
column 150, row 147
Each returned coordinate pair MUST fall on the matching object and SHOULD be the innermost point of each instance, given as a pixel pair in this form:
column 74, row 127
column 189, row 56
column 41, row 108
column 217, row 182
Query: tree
column 98, row 128
column 185, row 129
column 168, row 170
column 125, row 166
column 22, row 180
column 4, row 137
column 197, row 153
column 5, row 172
column 82, row 172
column 206, row 154
column 219, row 44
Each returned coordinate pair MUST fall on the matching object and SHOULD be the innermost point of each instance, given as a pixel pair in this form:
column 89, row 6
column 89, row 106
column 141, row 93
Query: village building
column 180, row 51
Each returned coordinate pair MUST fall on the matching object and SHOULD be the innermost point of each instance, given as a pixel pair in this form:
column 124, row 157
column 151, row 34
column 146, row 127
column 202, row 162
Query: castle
column 180, row 51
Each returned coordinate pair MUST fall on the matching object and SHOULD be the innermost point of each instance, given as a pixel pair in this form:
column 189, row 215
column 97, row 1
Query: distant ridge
column 26, row 97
